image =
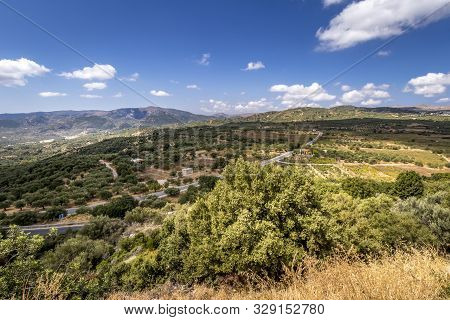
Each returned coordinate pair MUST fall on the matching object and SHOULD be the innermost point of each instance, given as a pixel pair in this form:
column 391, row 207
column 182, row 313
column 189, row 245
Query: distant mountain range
column 59, row 124
column 48, row 125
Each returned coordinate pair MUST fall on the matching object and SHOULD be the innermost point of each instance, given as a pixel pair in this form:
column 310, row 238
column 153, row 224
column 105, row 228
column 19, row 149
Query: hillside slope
column 349, row 112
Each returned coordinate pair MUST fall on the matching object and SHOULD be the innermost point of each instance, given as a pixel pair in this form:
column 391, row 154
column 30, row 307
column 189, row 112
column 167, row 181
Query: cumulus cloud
column 159, row 93
column 94, row 86
column 193, row 86
column 14, row 72
column 97, row 72
column 204, row 59
column 90, row 96
column 327, row 3
column 298, row 95
column 252, row 66
column 429, row 85
column 443, row 100
column 369, row 94
column 252, row 106
column 118, row 95
column 49, row 94
column 353, row 96
column 366, row 20
column 346, row 88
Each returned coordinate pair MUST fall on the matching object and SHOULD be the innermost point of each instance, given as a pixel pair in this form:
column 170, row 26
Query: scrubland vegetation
column 328, row 223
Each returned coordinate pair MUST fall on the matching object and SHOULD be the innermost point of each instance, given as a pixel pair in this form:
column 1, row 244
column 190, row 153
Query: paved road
column 277, row 158
column 45, row 228
column 310, row 143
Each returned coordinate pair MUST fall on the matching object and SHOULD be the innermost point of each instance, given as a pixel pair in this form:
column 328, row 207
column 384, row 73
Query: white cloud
column 327, row 3
column 159, row 93
column 215, row 106
column 14, row 72
column 371, row 86
column 97, row 72
column 219, row 106
column 383, row 53
column 252, row 66
column 133, row 78
column 346, row 88
column 90, row 96
column 49, row 94
column 193, row 86
column 353, row 96
column 204, row 59
column 367, row 95
column 367, row 20
column 94, row 86
column 118, row 95
column 429, row 85
column 443, row 100
column 297, row 95
column 253, row 106
column 371, row 102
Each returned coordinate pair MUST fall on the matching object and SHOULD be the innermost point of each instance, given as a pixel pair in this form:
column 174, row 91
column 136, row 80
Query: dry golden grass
column 415, row 275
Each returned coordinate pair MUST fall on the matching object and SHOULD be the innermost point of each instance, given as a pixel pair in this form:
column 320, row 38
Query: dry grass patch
column 415, row 275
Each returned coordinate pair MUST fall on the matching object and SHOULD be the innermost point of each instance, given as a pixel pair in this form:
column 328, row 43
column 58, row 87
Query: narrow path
column 110, row 167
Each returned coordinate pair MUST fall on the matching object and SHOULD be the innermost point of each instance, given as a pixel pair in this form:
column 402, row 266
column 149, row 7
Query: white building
column 187, row 172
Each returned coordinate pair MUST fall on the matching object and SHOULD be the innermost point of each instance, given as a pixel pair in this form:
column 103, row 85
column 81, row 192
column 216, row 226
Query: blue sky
column 210, row 56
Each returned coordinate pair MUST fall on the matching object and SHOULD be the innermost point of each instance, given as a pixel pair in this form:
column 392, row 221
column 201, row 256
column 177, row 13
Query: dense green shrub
column 142, row 215
column 80, row 252
column 153, row 202
column 408, row 184
column 432, row 211
column 105, row 194
column 22, row 218
column 172, row 192
column 363, row 188
column 189, row 196
column 361, row 226
column 105, row 228
column 116, row 208
column 251, row 221
column 207, row 183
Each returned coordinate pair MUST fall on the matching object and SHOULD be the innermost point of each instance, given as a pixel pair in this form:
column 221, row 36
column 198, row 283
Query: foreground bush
column 19, row 266
column 251, row 221
column 262, row 219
